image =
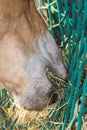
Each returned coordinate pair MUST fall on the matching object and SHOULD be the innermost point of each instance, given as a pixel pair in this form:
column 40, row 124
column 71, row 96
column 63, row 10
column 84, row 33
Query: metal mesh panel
column 69, row 18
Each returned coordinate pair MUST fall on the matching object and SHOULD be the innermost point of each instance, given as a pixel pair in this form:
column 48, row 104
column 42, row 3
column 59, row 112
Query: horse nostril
column 54, row 98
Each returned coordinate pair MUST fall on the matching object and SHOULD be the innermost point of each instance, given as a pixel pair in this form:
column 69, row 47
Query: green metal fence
column 69, row 18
